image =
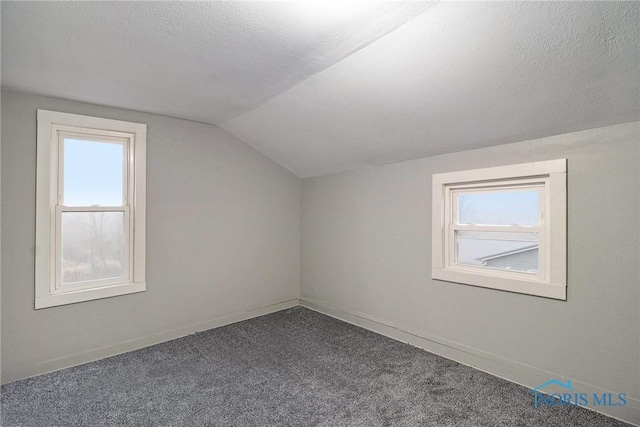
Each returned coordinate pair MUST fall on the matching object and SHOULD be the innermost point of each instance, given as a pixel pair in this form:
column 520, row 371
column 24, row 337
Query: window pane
column 93, row 246
column 499, row 208
column 93, row 173
column 505, row 251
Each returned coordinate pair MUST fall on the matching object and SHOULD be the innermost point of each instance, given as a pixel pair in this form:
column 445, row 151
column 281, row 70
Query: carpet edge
column 509, row 370
column 11, row 375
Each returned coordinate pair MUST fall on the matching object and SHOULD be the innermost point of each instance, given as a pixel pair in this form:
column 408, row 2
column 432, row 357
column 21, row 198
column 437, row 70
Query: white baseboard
column 510, row 370
column 11, row 375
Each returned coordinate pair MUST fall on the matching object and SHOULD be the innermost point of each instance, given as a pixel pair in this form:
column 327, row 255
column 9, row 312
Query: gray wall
column 223, row 242
column 222, row 239
column 366, row 257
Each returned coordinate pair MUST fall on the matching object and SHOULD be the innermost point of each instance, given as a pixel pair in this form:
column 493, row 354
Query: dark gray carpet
column 296, row 368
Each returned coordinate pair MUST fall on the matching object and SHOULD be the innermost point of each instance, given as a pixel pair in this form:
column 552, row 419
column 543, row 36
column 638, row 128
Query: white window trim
column 551, row 282
column 50, row 125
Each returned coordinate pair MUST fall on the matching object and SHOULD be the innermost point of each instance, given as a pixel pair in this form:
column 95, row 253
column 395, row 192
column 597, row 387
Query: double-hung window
column 502, row 228
column 90, row 208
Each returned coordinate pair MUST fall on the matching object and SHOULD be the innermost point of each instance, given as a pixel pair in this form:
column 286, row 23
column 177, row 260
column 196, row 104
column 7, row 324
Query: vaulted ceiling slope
column 458, row 76
column 205, row 61
column 383, row 82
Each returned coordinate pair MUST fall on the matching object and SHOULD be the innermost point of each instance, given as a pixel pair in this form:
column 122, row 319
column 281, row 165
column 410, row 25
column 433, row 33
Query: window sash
column 451, row 214
column 481, row 189
column 127, row 140
column 56, row 280
column 68, row 132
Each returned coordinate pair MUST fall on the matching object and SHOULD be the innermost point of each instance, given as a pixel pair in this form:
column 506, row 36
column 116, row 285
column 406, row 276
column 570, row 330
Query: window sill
column 528, row 287
column 73, row 297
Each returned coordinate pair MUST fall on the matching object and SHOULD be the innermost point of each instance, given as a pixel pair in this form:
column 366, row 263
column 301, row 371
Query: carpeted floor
column 294, row 367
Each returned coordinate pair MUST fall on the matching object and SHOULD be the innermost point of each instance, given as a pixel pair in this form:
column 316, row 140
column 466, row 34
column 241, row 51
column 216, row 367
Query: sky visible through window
column 499, row 208
column 93, row 173
column 510, row 251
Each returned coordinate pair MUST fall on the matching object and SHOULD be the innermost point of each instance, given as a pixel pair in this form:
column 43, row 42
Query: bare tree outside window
column 93, row 246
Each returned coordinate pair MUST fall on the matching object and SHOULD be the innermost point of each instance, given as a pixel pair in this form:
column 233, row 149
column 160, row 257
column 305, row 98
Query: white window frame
column 53, row 127
column 549, row 178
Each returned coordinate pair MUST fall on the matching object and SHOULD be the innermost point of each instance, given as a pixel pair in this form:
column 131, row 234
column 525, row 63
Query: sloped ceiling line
column 391, row 81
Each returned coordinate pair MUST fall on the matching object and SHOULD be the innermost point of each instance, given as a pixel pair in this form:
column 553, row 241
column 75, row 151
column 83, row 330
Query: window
column 90, row 208
column 502, row 228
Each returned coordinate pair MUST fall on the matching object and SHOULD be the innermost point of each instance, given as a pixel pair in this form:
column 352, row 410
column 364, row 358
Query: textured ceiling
column 391, row 81
column 459, row 76
column 206, row 61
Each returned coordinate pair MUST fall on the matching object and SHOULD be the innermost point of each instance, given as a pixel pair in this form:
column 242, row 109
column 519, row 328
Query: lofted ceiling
column 369, row 83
